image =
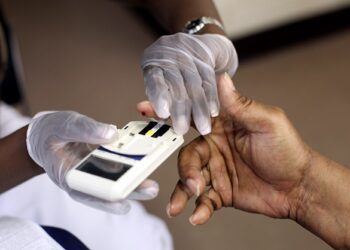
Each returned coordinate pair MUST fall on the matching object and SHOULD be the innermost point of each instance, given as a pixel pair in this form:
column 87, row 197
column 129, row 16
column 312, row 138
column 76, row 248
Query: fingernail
column 214, row 108
column 193, row 186
column 228, row 79
column 168, row 208
column 181, row 125
column 150, row 192
column 164, row 110
column 196, row 218
column 111, row 132
column 205, row 129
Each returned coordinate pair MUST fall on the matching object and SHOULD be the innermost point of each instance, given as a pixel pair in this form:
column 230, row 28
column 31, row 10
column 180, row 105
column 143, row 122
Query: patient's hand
column 253, row 160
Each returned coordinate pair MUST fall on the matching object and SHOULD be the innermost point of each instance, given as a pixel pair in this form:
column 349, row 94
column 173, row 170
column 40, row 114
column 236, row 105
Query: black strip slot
column 149, row 126
column 161, row 131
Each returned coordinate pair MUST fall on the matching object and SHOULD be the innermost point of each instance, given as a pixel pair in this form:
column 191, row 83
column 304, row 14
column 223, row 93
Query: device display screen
column 104, row 168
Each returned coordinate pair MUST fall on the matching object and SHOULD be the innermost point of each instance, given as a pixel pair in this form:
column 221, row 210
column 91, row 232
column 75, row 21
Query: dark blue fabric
column 67, row 240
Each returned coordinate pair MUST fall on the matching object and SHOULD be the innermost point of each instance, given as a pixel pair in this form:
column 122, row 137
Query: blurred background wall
column 247, row 17
column 84, row 56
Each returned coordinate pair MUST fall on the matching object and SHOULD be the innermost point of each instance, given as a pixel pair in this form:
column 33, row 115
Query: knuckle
column 183, row 152
column 215, row 199
column 222, row 186
column 279, row 113
column 204, row 199
column 245, row 101
column 163, row 40
column 178, row 36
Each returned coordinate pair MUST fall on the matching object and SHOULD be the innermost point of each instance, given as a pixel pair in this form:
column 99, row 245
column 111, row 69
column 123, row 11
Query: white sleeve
column 18, row 234
column 10, row 120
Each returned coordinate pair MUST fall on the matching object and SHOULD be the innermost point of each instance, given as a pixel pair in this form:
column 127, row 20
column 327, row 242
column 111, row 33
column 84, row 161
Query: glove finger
column 147, row 190
column 200, row 109
column 118, row 207
column 157, row 91
column 180, row 110
column 226, row 59
column 209, row 85
column 233, row 63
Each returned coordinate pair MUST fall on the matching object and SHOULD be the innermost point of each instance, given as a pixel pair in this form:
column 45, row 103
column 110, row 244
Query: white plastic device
column 111, row 172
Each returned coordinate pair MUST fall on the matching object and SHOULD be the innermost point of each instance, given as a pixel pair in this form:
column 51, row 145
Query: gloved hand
column 180, row 77
column 57, row 141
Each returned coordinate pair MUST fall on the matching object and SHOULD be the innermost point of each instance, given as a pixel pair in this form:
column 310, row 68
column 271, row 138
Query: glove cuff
column 28, row 134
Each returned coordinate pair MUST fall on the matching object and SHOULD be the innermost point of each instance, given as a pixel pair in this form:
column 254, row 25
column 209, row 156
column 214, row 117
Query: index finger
column 191, row 160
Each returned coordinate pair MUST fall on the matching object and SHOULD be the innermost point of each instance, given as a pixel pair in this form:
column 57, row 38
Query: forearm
column 174, row 14
column 16, row 166
column 325, row 205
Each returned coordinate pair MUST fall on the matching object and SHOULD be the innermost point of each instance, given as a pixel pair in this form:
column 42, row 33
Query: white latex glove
column 180, row 77
column 58, row 140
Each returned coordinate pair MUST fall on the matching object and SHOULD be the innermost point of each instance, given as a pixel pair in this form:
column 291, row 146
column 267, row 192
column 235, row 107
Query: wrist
column 299, row 198
column 17, row 166
column 34, row 168
column 323, row 204
column 304, row 195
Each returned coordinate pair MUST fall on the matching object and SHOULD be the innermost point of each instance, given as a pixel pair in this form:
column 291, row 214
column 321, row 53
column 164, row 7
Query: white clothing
column 19, row 234
column 10, row 120
column 43, row 202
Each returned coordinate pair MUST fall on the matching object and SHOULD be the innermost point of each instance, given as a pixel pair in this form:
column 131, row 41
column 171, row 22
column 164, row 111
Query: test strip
column 149, row 126
column 153, row 130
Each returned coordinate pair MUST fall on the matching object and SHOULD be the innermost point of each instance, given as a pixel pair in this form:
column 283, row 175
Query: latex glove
column 180, row 77
column 58, row 140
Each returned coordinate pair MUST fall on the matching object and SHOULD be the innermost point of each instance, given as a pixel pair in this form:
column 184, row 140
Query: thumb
column 80, row 128
column 117, row 207
column 242, row 110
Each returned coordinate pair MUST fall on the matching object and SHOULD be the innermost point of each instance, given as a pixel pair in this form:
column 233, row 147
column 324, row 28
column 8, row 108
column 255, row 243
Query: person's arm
column 254, row 160
column 174, row 14
column 324, row 203
column 16, row 166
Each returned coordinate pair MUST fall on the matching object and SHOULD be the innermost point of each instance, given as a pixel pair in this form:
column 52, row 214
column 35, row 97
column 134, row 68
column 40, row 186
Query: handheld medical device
column 111, row 172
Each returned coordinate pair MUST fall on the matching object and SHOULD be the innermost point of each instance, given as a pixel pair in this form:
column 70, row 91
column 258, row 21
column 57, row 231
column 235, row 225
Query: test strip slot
column 154, row 129
column 161, row 131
